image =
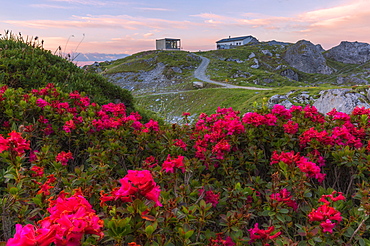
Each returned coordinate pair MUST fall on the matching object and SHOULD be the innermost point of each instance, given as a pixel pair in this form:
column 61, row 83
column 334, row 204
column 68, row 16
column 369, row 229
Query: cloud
column 83, row 2
column 49, row 6
column 105, row 21
column 149, row 34
column 155, row 9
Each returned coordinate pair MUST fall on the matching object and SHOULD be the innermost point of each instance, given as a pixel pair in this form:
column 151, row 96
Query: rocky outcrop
column 343, row 100
column 279, row 99
column 289, row 73
column 145, row 80
column 350, row 52
column 306, row 57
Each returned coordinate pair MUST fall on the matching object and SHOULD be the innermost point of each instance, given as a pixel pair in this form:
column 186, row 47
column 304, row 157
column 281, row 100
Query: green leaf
column 188, row 234
column 284, row 211
column 149, row 230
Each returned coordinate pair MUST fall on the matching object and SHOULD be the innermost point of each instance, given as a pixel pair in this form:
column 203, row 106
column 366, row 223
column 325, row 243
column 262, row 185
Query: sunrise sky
column 128, row 27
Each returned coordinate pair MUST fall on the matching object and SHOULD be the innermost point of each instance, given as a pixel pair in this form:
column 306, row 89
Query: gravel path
column 200, row 73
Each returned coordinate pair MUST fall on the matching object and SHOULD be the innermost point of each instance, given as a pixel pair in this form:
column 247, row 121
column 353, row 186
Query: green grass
column 206, row 101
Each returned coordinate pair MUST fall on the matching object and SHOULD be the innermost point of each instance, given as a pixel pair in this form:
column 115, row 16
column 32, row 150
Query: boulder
column 306, row 57
column 350, row 52
column 198, row 84
column 343, row 100
column 176, row 69
column 290, row 74
column 279, row 99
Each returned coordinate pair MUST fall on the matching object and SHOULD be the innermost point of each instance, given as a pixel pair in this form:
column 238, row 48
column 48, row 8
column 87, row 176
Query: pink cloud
column 105, row 21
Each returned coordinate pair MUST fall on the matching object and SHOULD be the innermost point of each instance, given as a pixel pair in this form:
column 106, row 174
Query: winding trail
column 200, row 73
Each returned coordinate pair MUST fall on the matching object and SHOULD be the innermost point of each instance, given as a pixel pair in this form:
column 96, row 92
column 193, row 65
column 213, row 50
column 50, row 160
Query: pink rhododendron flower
column 180, row 143
column 219, row 241
column 152, row 125
column 46, row 187
column 185, row 114
column 255, row 233
column 170, row 164
column 73, row 217
column 256, row 119
column 138, row 182
column 63, row 157
column 41, row 103
column 312, row 113
column 221, row 148
column 69, row 125
column 291, row 127
column 280, row 110
column 16, row 143
column 210, row 197
column 39, row 171
column 327, row 226
column 29, row 235
column 284, row 197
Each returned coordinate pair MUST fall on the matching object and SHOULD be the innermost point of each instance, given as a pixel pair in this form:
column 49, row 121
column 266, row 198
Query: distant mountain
column 98, row 57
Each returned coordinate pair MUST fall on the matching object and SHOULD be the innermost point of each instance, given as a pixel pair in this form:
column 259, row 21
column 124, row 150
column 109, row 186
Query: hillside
column 25, row 64
column 162, row 80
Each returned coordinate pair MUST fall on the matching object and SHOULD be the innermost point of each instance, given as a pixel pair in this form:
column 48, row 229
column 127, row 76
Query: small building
column 168, row 44
column 228, row 43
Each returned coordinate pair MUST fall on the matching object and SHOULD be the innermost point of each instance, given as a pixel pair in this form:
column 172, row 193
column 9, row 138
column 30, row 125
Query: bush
column 75, row 172
column 25, row 64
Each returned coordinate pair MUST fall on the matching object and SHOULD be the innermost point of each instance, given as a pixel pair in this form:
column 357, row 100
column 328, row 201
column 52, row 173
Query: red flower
column 69, row 125
column 284, row 197
column 170, row 163
column 324, row 212
column 152, row 125
column 256, row 233
column 4, row 144
column 327, row 226
column 29, row 235
column 185, row 114
column 139, row 183
column 17, row 143
column 72, row 217
column 210, row 197
column 63, row 157
column 180, row 143
column 39, row 171
column 41, row 103
column 280, row 110
column 332, row 197
column 291, row 127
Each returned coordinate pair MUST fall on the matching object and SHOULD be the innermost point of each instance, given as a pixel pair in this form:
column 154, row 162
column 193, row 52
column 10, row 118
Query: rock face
column 350, row 52
column 306, row 57
column 343, row 100
column 289, row 73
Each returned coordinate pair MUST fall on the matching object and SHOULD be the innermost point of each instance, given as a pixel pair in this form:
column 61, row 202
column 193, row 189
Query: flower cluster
column 210, row 196
column 63, row 157
column 70, row 219
column 294, row 159
column 284, row 197
column 326, row 214
column 134, row 185
column 15, row 143
column 259, row 234
column 170, row 164
column 219, row 241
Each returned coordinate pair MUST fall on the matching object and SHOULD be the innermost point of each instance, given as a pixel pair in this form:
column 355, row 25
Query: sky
column 128, row 27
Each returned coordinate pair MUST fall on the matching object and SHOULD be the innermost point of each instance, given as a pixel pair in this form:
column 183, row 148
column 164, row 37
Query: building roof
column 233, row 39
column 170, row 39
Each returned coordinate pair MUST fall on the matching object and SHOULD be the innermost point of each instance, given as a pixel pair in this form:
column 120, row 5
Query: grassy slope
column 25, row 64
column 171, row 106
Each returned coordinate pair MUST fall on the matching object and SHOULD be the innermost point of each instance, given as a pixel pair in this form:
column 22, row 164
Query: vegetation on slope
column 25, row 64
